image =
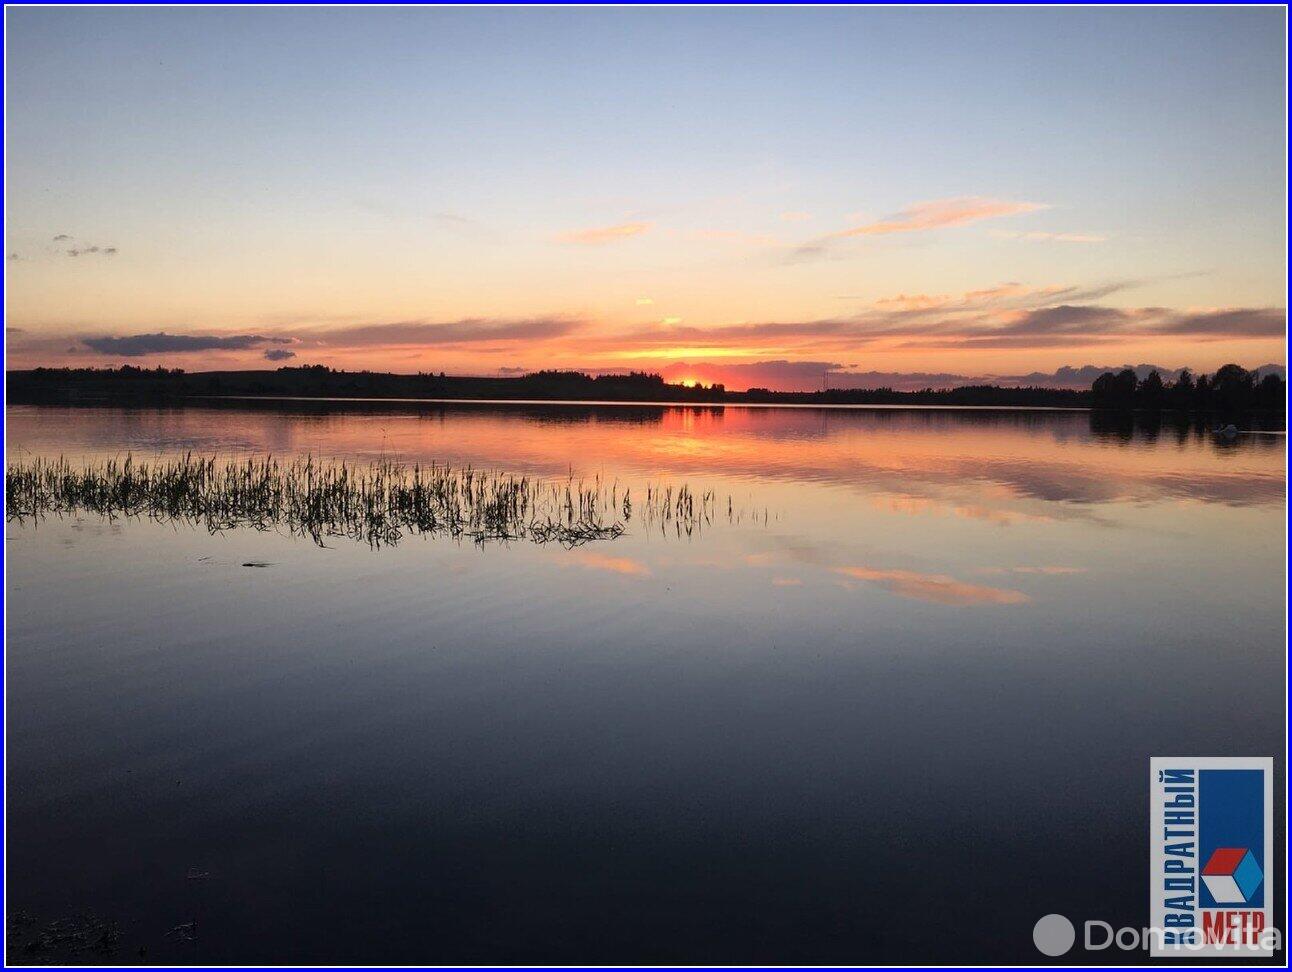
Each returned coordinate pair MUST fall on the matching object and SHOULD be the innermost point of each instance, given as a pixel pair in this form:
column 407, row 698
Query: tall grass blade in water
column 378, row 503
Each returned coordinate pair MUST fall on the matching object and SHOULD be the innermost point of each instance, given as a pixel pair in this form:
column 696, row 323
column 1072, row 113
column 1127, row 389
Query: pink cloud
column 942, row 212
column 598, row 235
column 938, row 588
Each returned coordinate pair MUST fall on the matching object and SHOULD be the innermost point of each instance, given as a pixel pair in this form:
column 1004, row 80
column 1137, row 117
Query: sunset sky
column 749, row 196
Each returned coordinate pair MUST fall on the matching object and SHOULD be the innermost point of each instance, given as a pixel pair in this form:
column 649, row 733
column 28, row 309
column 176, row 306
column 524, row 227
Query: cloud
column 783, row 375
column 1005, row 294
column 795, row 216
column 912, row 301
column 419, row 333
column 1040, row 237
column 807, row 251
column 1060, row 323
column 940, row 213
column 1009, row 315
column 1066, row 376
column 1049, row 571
column 936, row 588
column 1070, row 376
column 920, row 217
column 405, row 209
column 1238, row 322
column 137, row 345
column 509, row 370
column 900, row 380
column 598, row 235
column 76, row 251
column 1068, row 318
column 644, row 301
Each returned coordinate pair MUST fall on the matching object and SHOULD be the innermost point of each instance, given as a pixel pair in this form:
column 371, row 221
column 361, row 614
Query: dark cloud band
column 138, row 345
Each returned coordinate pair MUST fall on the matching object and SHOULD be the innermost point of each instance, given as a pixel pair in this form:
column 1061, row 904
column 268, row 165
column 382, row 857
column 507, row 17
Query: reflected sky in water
column 938, row 640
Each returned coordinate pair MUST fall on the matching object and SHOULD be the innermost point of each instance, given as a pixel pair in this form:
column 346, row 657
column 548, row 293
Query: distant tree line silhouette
column 1231, row 389
column 127, row 372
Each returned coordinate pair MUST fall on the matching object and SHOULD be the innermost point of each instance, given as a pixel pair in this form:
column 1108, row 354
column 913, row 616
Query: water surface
column 895, row 708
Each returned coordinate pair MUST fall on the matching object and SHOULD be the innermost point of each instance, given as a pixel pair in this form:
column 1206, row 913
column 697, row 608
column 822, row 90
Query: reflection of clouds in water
column 937, row 588
column 930, row 587
column 933, row 587
column 1237, row 489
column 1083, row 480
column 1043, row 458
column 910, row 504
column 593, row 560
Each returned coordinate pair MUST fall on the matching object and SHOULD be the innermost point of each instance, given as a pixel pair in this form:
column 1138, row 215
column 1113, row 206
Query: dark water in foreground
column 897, row 712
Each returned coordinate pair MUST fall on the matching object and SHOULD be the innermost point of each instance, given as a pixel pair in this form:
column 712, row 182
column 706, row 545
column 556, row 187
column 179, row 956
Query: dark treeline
column 1231, row 390
column 967, row 395
column 319, row 381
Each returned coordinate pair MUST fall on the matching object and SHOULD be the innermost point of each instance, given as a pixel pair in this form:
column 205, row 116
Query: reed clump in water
column 378, row 503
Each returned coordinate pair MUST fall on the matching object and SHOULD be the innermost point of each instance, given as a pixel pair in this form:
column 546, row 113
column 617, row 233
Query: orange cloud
column 970, row 298
column 913, row 301
column 1004, row 290
column 937, row 588
column 942, row 212
column 597, row 235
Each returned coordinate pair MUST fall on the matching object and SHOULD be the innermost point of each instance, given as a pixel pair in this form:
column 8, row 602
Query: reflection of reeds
column 376, row 503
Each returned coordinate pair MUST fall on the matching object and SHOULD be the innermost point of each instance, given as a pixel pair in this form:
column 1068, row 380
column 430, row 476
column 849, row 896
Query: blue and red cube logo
column 1232, row 875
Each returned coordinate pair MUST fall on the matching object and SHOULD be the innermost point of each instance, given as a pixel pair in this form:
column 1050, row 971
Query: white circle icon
column 1054, row 935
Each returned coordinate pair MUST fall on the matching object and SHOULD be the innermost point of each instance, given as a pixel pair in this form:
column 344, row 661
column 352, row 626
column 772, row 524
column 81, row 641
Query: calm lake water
column 896, row 709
